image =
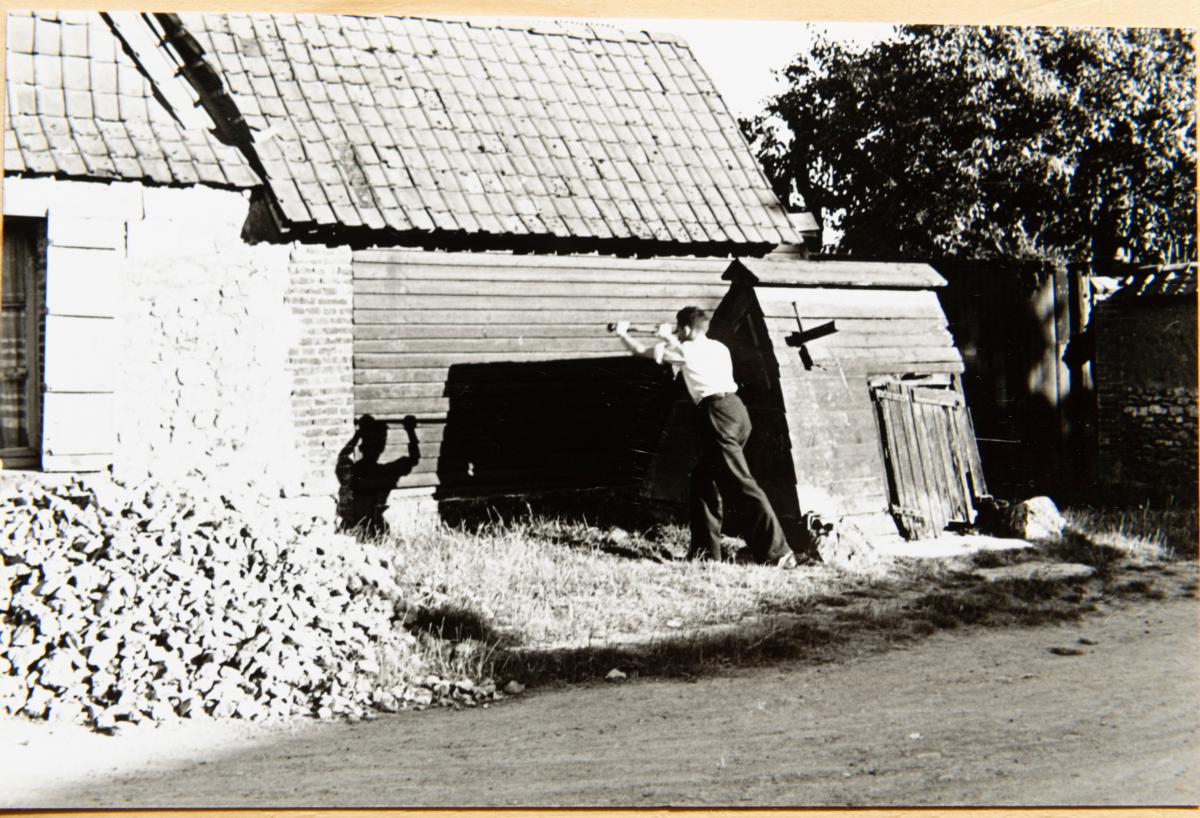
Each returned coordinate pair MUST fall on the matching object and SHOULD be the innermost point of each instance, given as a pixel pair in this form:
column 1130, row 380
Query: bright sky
column 742, row 56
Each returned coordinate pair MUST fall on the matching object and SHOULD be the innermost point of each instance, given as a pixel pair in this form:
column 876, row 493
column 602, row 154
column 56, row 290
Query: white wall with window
column 62, row 246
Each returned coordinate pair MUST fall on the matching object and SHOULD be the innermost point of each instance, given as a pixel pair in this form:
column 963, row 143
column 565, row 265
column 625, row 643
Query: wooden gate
column 932, row 459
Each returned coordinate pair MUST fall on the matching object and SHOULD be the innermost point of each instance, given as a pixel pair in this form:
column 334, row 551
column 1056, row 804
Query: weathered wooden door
column 934, row 473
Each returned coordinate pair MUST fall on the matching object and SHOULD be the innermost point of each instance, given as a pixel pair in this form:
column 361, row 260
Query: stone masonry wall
column 238, row 355
column 1145, row 374
column 224, row 360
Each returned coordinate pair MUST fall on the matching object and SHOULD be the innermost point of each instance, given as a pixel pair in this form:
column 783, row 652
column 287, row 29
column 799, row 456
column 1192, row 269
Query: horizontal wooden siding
column 508, row 366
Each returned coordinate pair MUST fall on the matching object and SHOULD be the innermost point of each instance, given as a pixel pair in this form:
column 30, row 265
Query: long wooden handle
column 612, row 327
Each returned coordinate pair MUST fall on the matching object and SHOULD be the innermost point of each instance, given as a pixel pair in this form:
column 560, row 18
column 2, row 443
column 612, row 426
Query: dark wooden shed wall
column 507, row 364
column 1033, row 412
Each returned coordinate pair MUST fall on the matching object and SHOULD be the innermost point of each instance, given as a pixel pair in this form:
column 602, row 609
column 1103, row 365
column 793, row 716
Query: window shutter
column 78, row 431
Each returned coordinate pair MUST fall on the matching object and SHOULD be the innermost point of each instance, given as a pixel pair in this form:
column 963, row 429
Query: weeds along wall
column 174, row 349
column 1145, row 373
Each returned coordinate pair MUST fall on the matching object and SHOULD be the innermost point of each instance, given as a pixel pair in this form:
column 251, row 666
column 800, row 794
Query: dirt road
column 964, row 717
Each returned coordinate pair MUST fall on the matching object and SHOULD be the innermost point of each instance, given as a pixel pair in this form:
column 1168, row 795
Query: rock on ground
column 1037, row 518
column 1053, row 571
column 843, row 545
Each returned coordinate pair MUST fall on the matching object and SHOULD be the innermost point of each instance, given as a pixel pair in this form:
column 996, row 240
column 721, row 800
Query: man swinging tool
column 722, row 472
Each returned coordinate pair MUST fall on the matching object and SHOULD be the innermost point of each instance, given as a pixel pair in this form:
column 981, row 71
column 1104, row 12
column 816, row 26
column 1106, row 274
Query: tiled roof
column 78, row 106
column 423, row 125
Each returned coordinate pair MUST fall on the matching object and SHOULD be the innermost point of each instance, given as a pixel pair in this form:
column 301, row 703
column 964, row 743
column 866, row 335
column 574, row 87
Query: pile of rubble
column 127, row 603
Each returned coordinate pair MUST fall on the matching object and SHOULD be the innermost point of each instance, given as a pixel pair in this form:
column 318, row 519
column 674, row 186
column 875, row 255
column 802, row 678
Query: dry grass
column 549, row 584
column 542, row 599
column 1141, row 533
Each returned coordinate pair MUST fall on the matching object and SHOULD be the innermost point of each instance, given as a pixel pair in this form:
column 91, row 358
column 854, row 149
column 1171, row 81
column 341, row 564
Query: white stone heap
column 127, row 603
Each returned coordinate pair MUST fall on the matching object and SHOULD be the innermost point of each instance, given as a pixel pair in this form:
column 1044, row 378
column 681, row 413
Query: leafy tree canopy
column 1072, row 145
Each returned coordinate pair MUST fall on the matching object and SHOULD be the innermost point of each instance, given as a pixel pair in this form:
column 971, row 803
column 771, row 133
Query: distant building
column 1145, row 374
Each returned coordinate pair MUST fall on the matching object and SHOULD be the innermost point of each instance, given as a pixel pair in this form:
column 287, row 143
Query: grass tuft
column 1141, row 533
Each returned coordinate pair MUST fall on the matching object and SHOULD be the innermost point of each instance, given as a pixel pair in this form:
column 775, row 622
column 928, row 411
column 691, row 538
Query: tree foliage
column 1074, row 145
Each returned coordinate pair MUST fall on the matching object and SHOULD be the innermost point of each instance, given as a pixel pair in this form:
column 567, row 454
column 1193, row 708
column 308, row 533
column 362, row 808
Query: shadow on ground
column 866, row 616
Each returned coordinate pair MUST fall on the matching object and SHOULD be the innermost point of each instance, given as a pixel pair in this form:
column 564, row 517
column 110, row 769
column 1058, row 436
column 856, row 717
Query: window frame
column 29, row 232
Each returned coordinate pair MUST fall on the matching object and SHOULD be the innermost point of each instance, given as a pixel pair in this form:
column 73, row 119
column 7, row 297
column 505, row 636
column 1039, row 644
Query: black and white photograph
column 460, row 411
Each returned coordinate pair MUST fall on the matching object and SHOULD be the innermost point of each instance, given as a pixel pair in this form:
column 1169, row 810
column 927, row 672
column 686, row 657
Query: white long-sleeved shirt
column 706, row 366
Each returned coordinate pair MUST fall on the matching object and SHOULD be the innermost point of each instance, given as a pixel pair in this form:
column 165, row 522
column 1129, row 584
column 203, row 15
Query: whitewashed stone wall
column 222, row 360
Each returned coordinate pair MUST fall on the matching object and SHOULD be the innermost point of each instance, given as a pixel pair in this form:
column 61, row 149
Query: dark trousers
column 723, row 475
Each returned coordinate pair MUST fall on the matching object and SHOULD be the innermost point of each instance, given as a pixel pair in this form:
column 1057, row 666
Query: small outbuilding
column 853, row 384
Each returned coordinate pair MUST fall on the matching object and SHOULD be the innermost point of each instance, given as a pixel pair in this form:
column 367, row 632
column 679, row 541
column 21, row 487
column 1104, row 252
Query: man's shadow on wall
column 525, row 434
column 363, row 482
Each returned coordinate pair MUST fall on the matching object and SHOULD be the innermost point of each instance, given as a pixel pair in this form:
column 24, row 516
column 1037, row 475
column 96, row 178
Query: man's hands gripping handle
column 663, row 331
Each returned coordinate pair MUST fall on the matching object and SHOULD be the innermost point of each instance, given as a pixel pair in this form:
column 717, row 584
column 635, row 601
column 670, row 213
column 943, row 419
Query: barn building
column 190, row 203
column 228, row 235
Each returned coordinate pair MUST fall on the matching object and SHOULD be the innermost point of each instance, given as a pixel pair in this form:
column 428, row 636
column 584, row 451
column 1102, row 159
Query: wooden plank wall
column 506, row 362
column 814, row 428
column 832, row 428
column 929, row 458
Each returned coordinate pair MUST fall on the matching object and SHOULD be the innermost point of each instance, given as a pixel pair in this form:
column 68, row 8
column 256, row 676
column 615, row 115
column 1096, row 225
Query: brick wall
column 320, row 298
column 224, row 360
column 1145, row 373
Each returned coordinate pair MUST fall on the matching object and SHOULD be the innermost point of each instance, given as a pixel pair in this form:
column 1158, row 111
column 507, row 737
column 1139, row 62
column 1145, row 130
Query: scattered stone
column 1083, row 640
column 105, row 720
column 421, row 696
column 514, row 688
column 130, row 602
column 843, row 545
column 615, row 675
column 674, row 623
column 1057, row 651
